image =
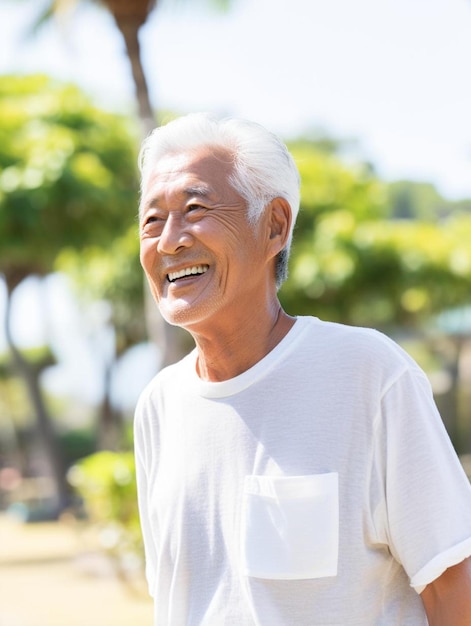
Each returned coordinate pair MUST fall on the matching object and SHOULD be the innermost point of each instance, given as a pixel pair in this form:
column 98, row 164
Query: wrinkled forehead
column 204, row 172
column 203, row 161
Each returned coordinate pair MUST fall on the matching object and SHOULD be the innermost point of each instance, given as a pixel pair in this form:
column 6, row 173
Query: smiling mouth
column 188, row 271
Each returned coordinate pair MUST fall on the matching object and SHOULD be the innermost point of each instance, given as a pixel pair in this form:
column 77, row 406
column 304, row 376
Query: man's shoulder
column 357, row 342
column 331, row 330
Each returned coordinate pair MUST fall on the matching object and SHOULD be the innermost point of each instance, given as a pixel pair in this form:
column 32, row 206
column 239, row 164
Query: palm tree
column 129, row 16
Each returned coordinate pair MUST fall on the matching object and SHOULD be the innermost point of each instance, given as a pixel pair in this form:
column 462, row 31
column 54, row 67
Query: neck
column 226, row 353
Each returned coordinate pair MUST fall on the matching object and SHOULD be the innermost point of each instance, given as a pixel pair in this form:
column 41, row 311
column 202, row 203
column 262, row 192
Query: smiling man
column 290, row 471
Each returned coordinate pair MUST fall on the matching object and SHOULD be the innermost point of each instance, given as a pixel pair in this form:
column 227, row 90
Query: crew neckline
column 237, row 384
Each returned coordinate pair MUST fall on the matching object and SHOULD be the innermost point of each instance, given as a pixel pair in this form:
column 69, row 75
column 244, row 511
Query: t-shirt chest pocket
column 290, row 526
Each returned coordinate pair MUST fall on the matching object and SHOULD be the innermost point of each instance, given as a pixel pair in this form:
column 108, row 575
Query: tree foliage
column 67, row 180
column 106, row 482
column 117, row 278
column 352, row 263
column 67, row 174
column 418, row 200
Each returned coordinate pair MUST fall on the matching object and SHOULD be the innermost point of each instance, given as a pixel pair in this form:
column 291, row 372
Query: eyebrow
column 200, row 191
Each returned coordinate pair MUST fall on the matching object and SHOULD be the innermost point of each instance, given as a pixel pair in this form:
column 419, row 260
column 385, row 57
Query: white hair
column 263, row 169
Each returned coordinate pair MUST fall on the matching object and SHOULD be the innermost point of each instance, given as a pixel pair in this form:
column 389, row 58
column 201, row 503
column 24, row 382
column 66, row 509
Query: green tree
column 408, row 199
column 354, row 264
column 67, row 179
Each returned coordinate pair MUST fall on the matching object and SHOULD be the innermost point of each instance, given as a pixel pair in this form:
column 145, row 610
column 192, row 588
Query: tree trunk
column 47, row 436
column 171, row 342
column 129, row 29
column 110, row 427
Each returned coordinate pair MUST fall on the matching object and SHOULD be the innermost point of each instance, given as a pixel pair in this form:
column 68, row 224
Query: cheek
column 146, row 255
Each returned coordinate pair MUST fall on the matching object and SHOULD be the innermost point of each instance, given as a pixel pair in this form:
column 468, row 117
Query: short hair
column 263, row 167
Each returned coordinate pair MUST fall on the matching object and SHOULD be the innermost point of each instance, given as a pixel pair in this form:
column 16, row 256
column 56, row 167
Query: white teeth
column 196, row 269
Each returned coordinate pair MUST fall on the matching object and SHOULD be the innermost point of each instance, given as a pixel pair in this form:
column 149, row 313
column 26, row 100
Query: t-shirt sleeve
column 426, row 513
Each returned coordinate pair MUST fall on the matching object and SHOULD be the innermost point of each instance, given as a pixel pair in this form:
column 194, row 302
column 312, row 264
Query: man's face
column 204, row 262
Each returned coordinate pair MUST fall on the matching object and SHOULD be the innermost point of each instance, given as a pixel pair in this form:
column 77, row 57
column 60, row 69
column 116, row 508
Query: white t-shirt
column 317, row 488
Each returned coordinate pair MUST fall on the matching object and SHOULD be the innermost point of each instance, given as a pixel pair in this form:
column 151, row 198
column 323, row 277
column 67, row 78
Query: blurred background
column 372, row 97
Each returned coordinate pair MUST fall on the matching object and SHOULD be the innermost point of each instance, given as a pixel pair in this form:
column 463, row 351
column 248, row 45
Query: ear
column 279, row 224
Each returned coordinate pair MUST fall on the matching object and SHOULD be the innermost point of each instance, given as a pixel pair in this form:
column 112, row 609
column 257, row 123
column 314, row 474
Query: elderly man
column 291, row 471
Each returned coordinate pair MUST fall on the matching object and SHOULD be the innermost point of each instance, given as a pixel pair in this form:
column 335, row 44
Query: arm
column 447, row 600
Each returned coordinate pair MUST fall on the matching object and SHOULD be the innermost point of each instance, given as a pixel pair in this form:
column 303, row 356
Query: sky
column 391, row 74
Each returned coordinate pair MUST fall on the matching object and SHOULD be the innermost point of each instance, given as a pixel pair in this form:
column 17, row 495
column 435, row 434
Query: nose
column 174, row 235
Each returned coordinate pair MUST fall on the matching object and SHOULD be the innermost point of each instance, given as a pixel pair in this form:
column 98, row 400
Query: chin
column 179, row 316
column 191, row 318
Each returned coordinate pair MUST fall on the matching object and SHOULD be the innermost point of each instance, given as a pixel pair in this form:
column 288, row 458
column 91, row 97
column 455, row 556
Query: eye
column 194, row 211
column 154, row 217
column 150, row 221
column 152, row 224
